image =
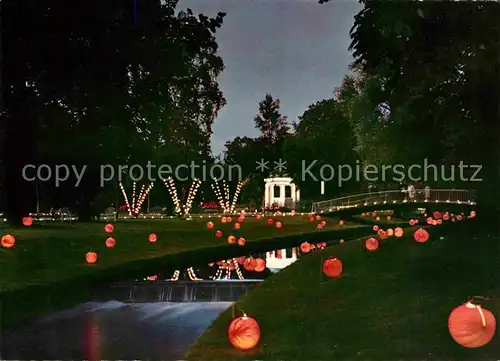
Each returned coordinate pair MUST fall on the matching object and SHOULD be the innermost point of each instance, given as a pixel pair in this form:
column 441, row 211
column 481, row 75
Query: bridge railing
column 455, row 196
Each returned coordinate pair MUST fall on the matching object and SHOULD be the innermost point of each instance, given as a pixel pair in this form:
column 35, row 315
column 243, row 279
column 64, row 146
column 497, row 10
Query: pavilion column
column 293, row 194
column 266, row 195
column 282, row 195
column 297, row 196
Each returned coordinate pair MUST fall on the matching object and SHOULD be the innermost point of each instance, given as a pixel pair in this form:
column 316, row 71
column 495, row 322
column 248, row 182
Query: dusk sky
column 295, row 50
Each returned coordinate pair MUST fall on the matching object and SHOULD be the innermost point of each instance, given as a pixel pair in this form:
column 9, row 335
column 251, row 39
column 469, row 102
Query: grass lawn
column 391, row 304
column 50, row 252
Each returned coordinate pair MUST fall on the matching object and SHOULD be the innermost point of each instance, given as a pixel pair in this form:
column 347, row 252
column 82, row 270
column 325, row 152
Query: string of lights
column 192, row 275
column 218, row 194
column 175, row 276
column 170, row 184
column 129, row 208
column 142, row 197
column 239, row 186
column 237, row 269
column 226, row 196
column 191, row 195
column 137, row 202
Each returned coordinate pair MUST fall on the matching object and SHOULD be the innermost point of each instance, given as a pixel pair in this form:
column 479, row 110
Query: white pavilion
column 281, row 191
column 279, row 259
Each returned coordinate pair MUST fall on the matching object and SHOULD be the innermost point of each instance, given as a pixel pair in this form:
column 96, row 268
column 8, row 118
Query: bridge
column 396, row 199
column 176, row 291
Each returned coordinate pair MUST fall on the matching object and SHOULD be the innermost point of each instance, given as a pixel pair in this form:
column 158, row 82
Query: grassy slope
column 47, row 253
column 390, row 304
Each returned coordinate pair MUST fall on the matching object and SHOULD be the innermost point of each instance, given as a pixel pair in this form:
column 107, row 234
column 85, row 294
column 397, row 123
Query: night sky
column 295, row 50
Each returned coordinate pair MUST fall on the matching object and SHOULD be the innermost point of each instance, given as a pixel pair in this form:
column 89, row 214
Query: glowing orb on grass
column 242, row 241
column 279, row 224
column 341, row 223
column 471, row 325
column 27, row 221
column 305, row 247
column 421, row 235
column 260, row 265
column 270, row 221
column 375, row 228
column 371, row 244
column 244, row 333
column 332, row 267
column 8, row 241
column 218, row 233
column 108, row 228
column 210, row 225
column 231, row 239
column 152, row 238
column 91, row 257
column 110, row 242
column 237, row 226
column 390, row 232
column 398, row 232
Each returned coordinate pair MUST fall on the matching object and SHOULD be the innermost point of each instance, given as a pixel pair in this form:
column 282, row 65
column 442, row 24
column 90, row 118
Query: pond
column 116, row 325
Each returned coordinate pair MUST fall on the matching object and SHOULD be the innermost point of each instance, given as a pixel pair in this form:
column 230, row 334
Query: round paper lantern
column 368, row 214
column 110, row 242
column 260, row 265
column 389, row 218
column 371, row 244
column 242, row 241
column 91, row 257
column 439, row 221
column 279, row 224
column 250, row 264
column 411, row 222
column 270, row 221
column 332, row 267
column 258, row 216
column 398, row 232
column 244, row 333
column 311, row 219
column 278, row 213
column 375, row 228
column 323, row 223
column 377, row 219
column 383, row 235
column 223, row 220
column 374, row 214
column 437, row 215
column 27, row 221
column 341, row 223
column 319, row 226
column 341, row 241
column 241, row 260
column 8, row 241
column 305, row 247
column 108, row 228
column 429, row 220
column 471, row 325
column 237, row 226
column 229, row 219
column 152, row 238
column 293, row 212
column 421, row 235
column 362, row 214
column 218, row 233
column 231, row 239
column 318, row 218
column 472, row 214
column 434, row 222
column 446, row 216
column 240, row 219
column 210, row 225
column 459, row 217
column 390, row 232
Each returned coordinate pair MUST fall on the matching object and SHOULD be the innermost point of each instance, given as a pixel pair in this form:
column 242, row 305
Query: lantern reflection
column 92, row 339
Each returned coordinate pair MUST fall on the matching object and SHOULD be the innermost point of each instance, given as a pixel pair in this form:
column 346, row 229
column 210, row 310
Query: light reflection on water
column 114, row 330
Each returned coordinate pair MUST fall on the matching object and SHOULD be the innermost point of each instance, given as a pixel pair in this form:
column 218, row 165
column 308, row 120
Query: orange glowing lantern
column 223, row 220
column 383, row 235
column 210, row 225
column 374, row 214
column 446, row 216
column 429, row 220
column 91, row 257
column 434, row 222
column 242, row 241
column 341, row 241
column 332, row 267
column 231, row 239
column 375, row 228
column 318, row 218
column 437, row 215
column 244, row 333
column 371, row 244
column 241, row 260
column 229, row 219
column 323, row 223
column 411, row 222
column 152, row 238
column 459, row 217
column 439, row 221
column 398, row 232
column 27, row 221
column 472, row 214
column 219, row 233
column 362, row 214
column 341, row 223
column 240, row 219
column 110, row 242
column 368, row 214
column 108, row 228
column 377, row 219
column 390, row 232
column 311, row 219
column 237, row 226
column 250, row 264
column 270, row 221
column 305, row 247
column 389, row 218
column 293, row 212
column 471, row 325
column 319, row 226
column 421, row 235
column 259, row 217
column 260, row 265
column 279, row 224
column 8, row 241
